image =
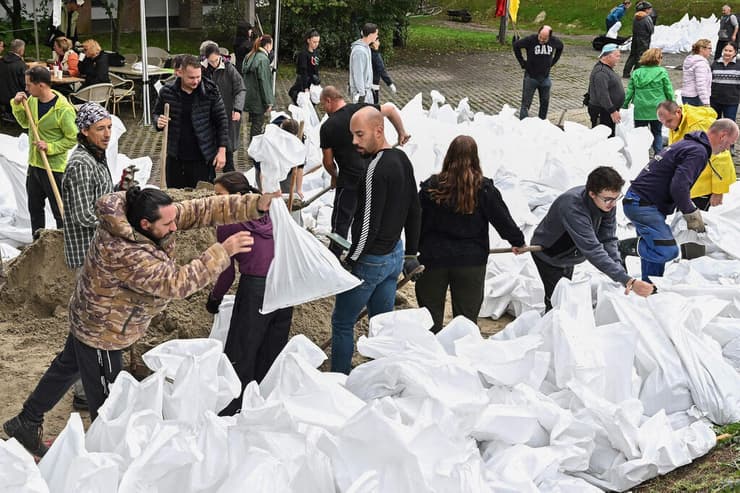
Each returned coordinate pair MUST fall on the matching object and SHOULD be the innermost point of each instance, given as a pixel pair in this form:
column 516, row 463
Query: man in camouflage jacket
column 129, row 276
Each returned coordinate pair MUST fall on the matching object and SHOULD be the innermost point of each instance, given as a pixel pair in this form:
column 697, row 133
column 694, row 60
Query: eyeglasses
column 610, row 200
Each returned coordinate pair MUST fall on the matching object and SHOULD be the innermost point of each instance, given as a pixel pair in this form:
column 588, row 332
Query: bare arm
column 390, row 111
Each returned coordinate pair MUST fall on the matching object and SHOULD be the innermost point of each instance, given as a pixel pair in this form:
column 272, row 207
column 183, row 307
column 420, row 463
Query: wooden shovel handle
column 163, row 157
column 532, row 248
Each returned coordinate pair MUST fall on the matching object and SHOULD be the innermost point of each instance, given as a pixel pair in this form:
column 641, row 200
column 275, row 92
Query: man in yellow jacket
column 54, row 117
column 716, row 178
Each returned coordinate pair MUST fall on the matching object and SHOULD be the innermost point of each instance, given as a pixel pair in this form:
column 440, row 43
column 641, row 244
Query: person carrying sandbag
column 254, row 339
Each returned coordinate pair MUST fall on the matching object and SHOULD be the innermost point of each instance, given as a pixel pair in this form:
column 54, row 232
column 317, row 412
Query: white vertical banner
column 144, row 67
column 56, row 12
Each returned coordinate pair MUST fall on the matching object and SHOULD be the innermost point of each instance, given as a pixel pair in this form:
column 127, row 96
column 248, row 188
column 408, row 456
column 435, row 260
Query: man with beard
column 388, row 202
column 129, row 276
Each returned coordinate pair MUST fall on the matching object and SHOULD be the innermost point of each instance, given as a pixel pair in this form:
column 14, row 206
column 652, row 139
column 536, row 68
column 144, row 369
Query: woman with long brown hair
column 457, row 205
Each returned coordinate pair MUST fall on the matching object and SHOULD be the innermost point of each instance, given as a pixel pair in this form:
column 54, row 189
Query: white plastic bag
column 18, row 472
column 222, row 320
column 303, row 269
column 309, row 112
column 315, row 92
column 278, row 152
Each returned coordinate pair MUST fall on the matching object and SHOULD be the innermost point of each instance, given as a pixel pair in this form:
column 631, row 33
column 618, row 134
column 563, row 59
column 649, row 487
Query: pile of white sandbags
column 679, row 36
column 573, row 401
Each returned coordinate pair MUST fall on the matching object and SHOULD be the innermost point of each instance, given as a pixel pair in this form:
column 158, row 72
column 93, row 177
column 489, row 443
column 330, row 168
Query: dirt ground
column 34, row 321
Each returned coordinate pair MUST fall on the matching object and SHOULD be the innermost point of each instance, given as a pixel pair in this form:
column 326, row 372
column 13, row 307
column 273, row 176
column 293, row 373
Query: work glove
column 212, row 305
column 393, row 88
column 694, row 221
column 128, row 179
column 409, row 266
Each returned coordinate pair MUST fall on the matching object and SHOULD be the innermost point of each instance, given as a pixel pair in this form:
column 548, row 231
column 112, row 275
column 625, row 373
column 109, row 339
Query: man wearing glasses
column 581, row 225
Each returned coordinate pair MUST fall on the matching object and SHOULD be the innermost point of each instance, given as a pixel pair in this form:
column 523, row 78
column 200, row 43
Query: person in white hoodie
column 697, row 75
column 361, row 66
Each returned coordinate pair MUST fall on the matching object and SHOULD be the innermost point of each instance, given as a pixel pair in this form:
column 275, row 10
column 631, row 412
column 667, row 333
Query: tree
column 15, row 15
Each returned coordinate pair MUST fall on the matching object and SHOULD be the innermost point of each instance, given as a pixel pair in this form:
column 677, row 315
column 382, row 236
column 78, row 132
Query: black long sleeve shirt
column 387, row 203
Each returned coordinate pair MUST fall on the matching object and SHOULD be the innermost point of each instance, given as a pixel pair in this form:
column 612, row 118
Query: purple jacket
column 253, row 263
column 667, row 179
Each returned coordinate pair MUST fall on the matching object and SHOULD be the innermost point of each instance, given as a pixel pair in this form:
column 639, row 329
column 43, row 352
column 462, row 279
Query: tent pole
column 144, row 67
column 275, row 46
column 167, row 21
column 36, row 31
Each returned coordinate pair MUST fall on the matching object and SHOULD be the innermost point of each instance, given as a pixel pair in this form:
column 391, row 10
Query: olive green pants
column 466, row 290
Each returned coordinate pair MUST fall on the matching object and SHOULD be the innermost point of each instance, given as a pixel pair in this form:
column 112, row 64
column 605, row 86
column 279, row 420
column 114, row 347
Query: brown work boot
column 27, row 433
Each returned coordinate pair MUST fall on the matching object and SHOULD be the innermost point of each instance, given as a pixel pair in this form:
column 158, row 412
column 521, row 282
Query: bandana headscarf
column 90, row 113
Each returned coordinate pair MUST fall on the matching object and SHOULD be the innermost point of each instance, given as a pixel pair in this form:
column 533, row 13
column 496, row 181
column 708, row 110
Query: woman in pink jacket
column 697, row 75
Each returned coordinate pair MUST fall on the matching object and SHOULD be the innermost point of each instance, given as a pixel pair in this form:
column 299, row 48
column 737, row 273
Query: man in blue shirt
column 617, row 13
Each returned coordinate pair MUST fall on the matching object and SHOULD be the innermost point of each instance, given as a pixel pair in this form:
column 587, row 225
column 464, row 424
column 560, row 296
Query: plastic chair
column 154, row 61
column 123, row 90
column 153, row 51
column 96, row 93
column 130, row 58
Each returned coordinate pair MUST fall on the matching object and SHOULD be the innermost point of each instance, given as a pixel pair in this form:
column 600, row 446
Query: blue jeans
column 656, row 244
column 692, row 100
column 543, row 89
column 656, row 128
column 379, row 275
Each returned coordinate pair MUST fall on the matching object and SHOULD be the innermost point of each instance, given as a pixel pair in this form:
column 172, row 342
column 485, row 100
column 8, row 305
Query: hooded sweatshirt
column 666, row 181
column 253, row 263
column 360, row 72
column 642, row 32
column 697, row 78
column 648, row 87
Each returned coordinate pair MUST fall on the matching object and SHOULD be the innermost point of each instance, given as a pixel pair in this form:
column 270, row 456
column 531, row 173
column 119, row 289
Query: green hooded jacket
column 648, row 87
column 258, row 80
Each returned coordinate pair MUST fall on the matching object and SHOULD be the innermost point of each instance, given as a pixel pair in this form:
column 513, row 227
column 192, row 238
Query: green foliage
column 219, row 24
column 338, row 22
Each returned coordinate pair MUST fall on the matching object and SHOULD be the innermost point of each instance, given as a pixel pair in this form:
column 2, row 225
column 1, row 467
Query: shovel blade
column 692, row 250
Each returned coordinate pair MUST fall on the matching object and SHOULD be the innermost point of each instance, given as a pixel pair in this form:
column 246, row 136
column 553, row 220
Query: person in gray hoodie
column 581, row 225
column 361, row 66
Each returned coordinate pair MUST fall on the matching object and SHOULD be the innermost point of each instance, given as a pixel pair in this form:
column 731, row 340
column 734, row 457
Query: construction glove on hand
column 409, row 266
column 127, row 178
column 212, row 305
column 393, row 88
column 694, row 221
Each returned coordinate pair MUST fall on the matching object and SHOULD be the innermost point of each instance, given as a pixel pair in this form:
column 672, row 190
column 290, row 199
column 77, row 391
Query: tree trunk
column 117, row 26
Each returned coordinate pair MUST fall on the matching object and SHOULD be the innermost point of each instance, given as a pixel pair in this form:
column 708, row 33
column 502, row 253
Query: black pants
column 345, row 204
column 550, row 276
column 39, row 189
column 466, row 289
column 600, row 116
column 95, row 367
column 229, row 166
column 254, row 340
column 295, row 89
column 633, row 62
column 256, row 127
column 183, row 173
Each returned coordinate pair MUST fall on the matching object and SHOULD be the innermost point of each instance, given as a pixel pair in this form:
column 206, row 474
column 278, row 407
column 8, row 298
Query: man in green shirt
column 54, row 118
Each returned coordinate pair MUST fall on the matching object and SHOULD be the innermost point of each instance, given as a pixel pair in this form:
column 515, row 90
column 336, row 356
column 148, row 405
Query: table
column 67, row 79
column 127, row 71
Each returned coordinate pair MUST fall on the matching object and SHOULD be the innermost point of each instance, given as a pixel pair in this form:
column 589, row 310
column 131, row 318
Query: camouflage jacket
column 127, row 279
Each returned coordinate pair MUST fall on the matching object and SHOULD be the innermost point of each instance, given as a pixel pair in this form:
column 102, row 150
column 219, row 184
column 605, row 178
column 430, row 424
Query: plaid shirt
column 85, row 180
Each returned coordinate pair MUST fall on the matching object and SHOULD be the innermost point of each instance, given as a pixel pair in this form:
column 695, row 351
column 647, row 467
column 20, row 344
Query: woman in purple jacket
column 254, row 339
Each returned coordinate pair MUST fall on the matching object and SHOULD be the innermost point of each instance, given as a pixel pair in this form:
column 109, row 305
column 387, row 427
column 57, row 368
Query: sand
column 34, row 321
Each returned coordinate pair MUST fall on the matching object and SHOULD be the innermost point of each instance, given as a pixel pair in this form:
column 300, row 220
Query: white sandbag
column 67, row 466
column 458, row 328
column 310, row 117
column 613, row 31
column 222, row 320
column 18, row 471
column 112, row 429
column 397, row 331
column 194, row 367
column 303, row 269
column 714, row 383
column 278, row 151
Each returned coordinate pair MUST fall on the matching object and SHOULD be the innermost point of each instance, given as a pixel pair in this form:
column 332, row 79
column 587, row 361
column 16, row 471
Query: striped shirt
column 85, row 180
column 725, row 83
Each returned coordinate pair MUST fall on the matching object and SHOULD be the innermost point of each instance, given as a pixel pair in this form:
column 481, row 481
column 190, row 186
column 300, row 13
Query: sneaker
column 28, row 434
column 79, row 403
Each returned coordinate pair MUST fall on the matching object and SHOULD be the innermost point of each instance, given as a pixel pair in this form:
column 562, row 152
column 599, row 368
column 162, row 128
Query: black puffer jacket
column 209, row 117
column 12, row 77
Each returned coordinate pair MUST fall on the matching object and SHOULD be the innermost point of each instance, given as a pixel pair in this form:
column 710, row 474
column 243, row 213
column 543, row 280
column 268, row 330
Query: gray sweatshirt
column 575, row 230
column 360, row 72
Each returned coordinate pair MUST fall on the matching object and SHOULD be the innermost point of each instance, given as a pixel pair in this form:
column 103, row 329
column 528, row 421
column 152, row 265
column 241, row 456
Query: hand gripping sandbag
column 303, row 269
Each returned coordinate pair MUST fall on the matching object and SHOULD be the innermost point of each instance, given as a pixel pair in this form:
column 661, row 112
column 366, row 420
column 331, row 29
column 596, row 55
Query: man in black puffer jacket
column 198, row 127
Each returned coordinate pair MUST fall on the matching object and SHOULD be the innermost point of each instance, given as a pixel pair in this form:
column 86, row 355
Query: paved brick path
column 489, row 80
